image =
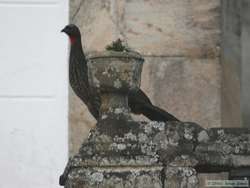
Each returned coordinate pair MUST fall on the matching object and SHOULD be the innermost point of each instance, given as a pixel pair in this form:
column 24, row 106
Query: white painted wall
column 33, row 93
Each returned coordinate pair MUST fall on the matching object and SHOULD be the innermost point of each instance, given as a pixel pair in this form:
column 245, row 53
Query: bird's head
column 73, row 32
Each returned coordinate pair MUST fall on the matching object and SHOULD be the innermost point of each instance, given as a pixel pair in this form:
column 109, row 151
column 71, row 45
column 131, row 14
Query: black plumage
column 138, row 102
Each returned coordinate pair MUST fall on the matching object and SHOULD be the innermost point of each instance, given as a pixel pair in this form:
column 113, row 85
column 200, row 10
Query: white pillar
column 33, row 93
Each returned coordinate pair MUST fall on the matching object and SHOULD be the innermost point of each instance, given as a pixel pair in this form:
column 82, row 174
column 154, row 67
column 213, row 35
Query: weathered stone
column 173, row 28
column 235, row 63
column 189, row 28
column 115, row 178
column 178, row 28
column 180, row 177
column 155, row 145
column 245, row 67
column 74, row 8
column 226, row 148
column 174, row 144
column 187, row 88
column 184, row 161
column 90, row 16
column 204, row 177
column 203, row 136
column 80, row 122
column 115, row 71
column 113, row 75
column 231, row 60
column 95, row 19
column 139, row 146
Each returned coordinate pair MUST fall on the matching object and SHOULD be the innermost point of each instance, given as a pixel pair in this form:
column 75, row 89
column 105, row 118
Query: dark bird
column 138, row 102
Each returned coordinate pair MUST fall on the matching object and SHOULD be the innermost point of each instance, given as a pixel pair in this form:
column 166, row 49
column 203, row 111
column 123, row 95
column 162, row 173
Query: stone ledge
column 160, row 145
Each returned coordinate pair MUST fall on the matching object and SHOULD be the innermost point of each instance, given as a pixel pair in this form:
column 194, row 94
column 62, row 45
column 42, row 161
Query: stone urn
column 114, row 74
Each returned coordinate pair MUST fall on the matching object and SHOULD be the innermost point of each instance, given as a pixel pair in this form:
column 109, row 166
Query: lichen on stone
column 104, row 116
column 203, row 136
column 117, row 83
column 96, row 177
column 142, row 137
column 130, row 136
column 188, row 133
column 175, row 148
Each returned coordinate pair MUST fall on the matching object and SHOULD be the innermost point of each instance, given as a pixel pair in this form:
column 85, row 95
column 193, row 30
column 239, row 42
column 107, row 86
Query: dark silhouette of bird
column 138, row 102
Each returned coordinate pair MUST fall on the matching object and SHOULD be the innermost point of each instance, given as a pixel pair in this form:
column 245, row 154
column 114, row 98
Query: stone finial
column 114, row 74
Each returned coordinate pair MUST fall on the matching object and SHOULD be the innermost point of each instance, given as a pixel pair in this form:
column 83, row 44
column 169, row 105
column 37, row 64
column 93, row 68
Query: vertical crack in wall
column 117, row 16
column 72, row 19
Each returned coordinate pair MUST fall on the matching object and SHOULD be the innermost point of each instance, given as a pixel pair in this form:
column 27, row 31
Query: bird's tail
column 155, row 113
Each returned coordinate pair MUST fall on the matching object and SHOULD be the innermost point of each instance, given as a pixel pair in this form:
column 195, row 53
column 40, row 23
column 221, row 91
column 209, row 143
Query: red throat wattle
column 72, row 39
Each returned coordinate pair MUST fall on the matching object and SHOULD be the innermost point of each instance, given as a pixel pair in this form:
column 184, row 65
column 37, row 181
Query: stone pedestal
column 135, row 157
column 127, row 159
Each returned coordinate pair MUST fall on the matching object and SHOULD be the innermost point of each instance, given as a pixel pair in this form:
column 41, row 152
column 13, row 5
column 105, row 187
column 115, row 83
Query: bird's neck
column 76, row 47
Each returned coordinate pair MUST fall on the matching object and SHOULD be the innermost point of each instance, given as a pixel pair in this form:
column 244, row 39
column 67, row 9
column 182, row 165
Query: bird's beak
column 63, row 30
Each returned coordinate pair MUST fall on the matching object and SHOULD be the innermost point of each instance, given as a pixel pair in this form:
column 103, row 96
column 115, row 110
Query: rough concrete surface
column 188, row 88
column 153, row 27
column 231, row 64
column 173, row 28
column 235, row 63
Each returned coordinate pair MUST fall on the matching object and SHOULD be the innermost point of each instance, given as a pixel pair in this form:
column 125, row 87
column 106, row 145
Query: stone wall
column 245, row 108
column 231, row 59
column 235, row 63
column 180, row 43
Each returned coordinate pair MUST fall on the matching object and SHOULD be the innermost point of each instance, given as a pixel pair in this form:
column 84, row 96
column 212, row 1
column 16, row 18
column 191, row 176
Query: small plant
column 116, row 46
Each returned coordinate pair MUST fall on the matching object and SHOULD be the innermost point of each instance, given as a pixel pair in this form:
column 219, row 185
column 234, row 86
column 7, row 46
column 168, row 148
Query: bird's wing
column 139, row 103
column 78, row 78
column 155, row 113
column 138, row 96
